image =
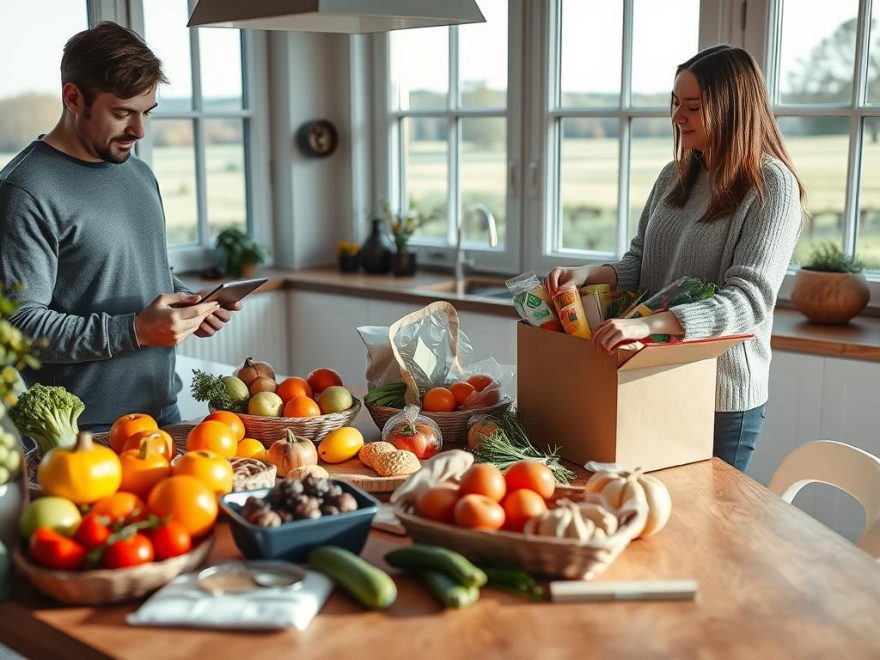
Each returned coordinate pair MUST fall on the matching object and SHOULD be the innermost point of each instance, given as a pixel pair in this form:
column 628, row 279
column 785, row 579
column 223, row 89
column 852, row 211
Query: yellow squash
column 83, row 474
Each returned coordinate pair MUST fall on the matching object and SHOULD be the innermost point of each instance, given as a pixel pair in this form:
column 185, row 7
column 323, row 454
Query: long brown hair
column 740, row 129
column 110, row 58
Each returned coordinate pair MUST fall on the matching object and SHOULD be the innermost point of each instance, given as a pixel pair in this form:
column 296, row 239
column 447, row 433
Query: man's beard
column 108, row 156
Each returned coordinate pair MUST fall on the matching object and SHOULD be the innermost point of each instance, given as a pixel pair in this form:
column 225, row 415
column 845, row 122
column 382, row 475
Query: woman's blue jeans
column 736, row 434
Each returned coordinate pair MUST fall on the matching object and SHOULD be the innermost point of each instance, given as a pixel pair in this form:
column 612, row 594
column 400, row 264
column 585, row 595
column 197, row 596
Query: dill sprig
column 210, row 388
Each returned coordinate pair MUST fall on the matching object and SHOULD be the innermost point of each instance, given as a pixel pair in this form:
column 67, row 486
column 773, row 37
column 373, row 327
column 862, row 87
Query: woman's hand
column 559, row 276
column 615, row 332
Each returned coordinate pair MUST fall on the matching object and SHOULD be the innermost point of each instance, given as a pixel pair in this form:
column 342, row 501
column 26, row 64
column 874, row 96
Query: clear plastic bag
column 413, row 432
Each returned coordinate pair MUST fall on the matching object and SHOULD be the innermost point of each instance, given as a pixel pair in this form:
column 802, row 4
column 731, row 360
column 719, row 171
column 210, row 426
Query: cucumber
column 370, row 586
column 448, row 591
column 421, row 557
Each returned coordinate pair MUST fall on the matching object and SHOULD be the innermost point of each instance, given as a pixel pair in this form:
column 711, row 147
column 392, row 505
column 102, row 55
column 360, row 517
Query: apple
column 56, row 513
column 266, row 404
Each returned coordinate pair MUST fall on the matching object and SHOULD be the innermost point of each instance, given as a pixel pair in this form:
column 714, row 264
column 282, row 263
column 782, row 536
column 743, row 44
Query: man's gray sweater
column 87, row 240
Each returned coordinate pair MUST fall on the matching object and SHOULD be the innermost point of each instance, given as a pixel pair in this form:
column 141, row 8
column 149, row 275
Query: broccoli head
column 48, row 414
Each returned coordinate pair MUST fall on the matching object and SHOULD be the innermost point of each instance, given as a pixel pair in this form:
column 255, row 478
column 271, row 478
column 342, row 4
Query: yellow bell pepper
column 83, row 474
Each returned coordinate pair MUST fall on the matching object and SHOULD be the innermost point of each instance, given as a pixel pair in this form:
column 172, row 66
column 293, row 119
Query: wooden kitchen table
column 772, row 581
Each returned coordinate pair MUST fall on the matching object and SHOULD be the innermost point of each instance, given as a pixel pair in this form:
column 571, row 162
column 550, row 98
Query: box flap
column 679, row 352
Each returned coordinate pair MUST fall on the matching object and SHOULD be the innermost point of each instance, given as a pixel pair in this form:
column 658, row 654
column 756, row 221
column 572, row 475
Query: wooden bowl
column 829, row 298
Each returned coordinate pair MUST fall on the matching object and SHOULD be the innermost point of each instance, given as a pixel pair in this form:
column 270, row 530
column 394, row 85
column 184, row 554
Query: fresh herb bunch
column 828, row 257
column 210, row 388
column 17, row 352
column 510, row 443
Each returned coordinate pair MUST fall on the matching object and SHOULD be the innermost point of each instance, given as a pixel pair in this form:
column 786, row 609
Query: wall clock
column 317, row 139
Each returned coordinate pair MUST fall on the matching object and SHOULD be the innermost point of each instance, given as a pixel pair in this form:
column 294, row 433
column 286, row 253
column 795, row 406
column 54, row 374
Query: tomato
column 437, row 503
column 187, row 500
column 54, row 550
column 231, row 420
column 478, row 512
column 126, row 426
column 483, row 479
column 170, row 540
column 211, row 469
column 214, row 436
column 520, row 506
column 158, row 440
column 129, row 551
column 532, row 475
column 421, row 439
column 142, row 469
column 93, row 531
column 120, row 508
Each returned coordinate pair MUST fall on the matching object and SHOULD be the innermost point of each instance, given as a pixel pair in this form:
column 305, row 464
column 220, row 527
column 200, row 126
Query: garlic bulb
column 620, row 487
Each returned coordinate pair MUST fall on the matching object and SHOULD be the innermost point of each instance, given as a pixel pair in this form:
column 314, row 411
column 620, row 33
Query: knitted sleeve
column 763, row 252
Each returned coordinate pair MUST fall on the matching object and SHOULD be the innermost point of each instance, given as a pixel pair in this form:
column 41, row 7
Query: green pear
column 236, row 389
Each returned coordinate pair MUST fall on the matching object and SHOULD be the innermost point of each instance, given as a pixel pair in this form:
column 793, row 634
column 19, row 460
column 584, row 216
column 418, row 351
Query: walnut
column 265, row 518
column 346, row 502
column 371, row 450
column 308, row 507
column 397, row 463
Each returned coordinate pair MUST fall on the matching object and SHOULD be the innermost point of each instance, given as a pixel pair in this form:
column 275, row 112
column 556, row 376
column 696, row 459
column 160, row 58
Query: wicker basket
column 552, row 557
column 269, row 429
column 100, row 586
column 453, row 425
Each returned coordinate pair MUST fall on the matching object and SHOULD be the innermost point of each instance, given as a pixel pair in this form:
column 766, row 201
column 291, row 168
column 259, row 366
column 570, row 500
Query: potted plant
column 349, row 256
column 238, row 254
column 403, row 226
column 830, row 287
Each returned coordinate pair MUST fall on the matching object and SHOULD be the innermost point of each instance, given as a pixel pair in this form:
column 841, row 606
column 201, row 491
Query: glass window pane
column 174, row 165
column 650, row 151
column 30, row 87
column 591, row 45
column 483, row 173
column 482, row 56
column 225, row 174
column 425, row 171
column 819, row 148
column 420, row 68
column 868, row 239
column 874, row 56
column 220, row 64
column 665, row 34
column 167, row 36
column 588, row 184
column 817, row 52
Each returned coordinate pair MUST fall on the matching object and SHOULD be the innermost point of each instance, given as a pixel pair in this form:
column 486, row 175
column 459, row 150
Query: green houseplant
column 403, row 226
column 238, row 254
column 830, row 288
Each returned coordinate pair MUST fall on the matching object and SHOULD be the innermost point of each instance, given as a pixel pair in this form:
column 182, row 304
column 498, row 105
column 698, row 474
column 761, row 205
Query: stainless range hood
column 345, row 16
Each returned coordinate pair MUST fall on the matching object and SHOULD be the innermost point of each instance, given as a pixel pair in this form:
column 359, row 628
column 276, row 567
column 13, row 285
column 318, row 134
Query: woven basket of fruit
column 99, row 586
column 269, row 429
column 453, row 425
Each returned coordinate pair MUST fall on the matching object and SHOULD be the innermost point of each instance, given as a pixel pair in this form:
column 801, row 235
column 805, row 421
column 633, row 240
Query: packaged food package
column 596, row 299
column 682, row 291
column 568, row 304
column 532, row 302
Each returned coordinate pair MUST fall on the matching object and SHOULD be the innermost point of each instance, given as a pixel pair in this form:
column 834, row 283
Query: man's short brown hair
column 110, row 58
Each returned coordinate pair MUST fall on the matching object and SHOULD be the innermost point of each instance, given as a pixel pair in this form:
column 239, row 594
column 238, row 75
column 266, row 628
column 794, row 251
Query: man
column 82, row 227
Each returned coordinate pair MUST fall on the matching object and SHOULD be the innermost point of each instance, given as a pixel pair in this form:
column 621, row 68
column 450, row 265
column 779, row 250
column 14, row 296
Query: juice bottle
column 567, row 299
column 532, row 302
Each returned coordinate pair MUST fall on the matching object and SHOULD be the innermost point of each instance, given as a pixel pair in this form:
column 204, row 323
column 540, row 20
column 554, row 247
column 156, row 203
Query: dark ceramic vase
column 376, row 251
column 349, row 263
column 403, row 264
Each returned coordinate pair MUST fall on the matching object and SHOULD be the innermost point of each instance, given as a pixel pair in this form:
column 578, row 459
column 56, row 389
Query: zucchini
column 448, row 591
column 371, row 587
column 422, row 557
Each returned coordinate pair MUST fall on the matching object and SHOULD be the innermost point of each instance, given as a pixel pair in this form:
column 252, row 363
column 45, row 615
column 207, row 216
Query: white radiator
column 259, row 330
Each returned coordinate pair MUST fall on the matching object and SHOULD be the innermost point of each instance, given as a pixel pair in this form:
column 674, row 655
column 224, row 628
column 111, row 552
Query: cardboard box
column 651, row 407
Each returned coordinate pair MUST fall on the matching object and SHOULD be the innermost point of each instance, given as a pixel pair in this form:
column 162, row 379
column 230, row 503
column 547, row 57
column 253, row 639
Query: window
column 30, row 89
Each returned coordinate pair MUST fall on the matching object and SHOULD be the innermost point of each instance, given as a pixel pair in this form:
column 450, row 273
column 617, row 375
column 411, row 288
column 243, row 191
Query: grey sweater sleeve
column 748, row 291
column 179, row 287
column 29, row 255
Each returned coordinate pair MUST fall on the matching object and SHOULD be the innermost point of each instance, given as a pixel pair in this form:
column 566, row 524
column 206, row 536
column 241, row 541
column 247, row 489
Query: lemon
column 334, row 399
column 249, row 448
column 340, row 445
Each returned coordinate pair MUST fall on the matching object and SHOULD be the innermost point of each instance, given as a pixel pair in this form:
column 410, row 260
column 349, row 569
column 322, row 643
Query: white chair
column 843, row 466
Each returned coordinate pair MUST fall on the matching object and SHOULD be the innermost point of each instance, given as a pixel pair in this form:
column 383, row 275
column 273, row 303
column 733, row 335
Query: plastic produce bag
column 413, row 432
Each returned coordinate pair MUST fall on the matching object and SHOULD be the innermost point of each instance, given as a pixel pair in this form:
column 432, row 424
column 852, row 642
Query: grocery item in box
column 532, row 302
column 571, row 312
column 596, row 299
column 682, row 291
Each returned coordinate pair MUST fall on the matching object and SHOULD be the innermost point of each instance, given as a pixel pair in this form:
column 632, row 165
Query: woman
column 728, row 210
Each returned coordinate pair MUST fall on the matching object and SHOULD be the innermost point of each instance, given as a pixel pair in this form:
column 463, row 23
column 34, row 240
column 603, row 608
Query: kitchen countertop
column 859, row 340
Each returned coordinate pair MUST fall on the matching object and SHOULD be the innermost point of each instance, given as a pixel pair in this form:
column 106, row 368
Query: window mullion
column 453, row 101
column 624, row 129
column 204, row 233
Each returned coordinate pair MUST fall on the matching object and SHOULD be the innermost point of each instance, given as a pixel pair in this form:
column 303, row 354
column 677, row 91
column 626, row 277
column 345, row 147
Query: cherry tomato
column 54, row 550
column 129, row 551
column 170, row 540
column 93, row 531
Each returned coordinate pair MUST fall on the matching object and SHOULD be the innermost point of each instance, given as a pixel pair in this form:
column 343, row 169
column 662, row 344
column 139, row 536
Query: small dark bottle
column 376, row 251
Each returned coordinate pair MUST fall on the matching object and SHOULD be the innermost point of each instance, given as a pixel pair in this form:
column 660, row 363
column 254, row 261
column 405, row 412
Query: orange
column 231, row 420
column 482, row 427
column 437, row 503
column 214, row 436
column 532, row 475
column 128, row 425
column 293, row 387
column 141, row 472
column 520, row 506
column 157, row 440
column 461, row 391
column 438, row 399
column 301, row 406
column 120, row 506
column 478, row 512
column 249, row 448
column 320, row 379
column 483, row 479
column 211, row 469
column 479, row 381
column 187, row 501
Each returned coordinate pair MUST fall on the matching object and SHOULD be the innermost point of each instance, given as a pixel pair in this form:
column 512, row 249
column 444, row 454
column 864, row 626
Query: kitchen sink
column 471, row 286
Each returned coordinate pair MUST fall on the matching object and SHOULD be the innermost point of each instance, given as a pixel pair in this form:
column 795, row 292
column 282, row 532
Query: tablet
column 230, row 292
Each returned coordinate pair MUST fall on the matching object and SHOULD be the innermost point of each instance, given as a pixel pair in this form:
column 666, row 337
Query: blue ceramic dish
column 292, row 541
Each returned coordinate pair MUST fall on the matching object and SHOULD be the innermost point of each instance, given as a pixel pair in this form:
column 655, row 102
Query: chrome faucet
column 460, row 260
